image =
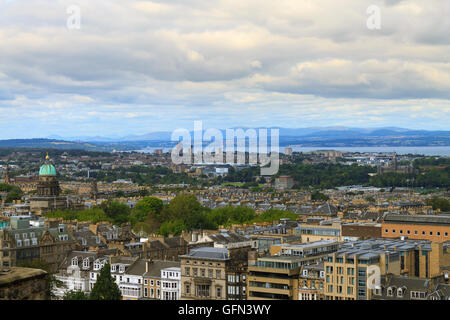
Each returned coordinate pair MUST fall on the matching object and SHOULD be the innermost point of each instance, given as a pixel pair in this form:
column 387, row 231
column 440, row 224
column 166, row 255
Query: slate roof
column 156, row 266
column 209, row 253
column 228, row 237
column 418, row 219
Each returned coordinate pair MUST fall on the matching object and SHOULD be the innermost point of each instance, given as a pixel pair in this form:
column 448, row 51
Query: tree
column 105, row 288
column 117, row 211
column 147, row 206
column 439, row 203
column 172, row 227
column 317, row 196
column 75, row 295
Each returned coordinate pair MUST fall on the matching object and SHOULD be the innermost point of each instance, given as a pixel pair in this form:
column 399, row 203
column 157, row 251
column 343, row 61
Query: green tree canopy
column 105, row 288
column 117, row 211
column 318, row 196
column 75, row 295
column 439, row 203
column 147, row 206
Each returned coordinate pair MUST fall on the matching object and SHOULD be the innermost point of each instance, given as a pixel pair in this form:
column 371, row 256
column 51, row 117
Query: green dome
column 47, row 169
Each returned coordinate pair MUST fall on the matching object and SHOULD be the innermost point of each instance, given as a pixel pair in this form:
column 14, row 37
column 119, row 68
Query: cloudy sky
column 140, row 66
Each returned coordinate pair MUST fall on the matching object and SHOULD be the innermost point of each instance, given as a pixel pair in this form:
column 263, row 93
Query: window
column 431, row 233
column 145, row 292
column 390, row 292
column 446, row 234
column 188, row 289
column 417, row 295
column 202, row 290
column 393, row 230
column 219, row 292
column 386, row 231
column 145, row 281
column 218, row 274
column 438, row 233
column 400, row 292
column 415, row 232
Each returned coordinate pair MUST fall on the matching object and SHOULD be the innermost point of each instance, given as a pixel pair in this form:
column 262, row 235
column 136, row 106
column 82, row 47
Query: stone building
column 22, row 243
column 22, row 284
column 213, row 274
column 48, row 192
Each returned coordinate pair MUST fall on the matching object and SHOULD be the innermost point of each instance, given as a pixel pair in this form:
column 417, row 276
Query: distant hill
column 307, row 137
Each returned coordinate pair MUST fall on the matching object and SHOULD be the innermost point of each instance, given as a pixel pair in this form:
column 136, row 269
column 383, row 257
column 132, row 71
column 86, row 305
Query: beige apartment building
column 203, row 274
column 350, row 272
column 276, row 277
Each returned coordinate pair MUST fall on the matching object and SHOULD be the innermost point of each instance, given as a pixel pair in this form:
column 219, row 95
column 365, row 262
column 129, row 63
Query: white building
column 75, row 273
column 171, row 283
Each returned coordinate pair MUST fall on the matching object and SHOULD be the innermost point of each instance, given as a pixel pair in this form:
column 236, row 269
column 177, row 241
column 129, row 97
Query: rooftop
column 208, row 253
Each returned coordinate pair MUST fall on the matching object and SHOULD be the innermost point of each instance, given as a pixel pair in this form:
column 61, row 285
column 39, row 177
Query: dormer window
column 121, row 268
column 86, row 263
column 75, row 261
column 400, row 292
column 24, row 235
column 390, row 292
column 113, row 268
